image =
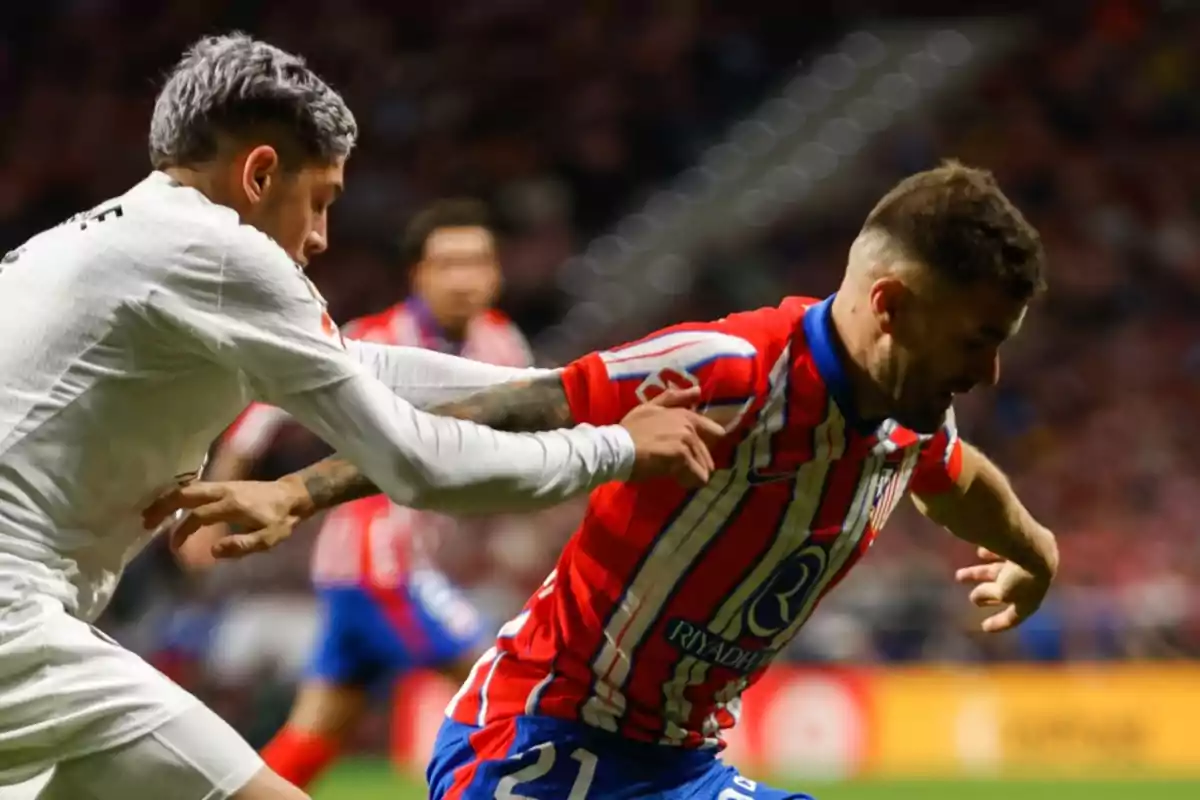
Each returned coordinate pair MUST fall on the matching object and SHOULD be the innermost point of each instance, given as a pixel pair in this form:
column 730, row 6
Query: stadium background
column 658, row 161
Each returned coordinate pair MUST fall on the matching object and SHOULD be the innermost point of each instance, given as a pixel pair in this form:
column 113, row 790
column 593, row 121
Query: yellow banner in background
column 1077, row 719
column 1099, row 721
column 829, row 722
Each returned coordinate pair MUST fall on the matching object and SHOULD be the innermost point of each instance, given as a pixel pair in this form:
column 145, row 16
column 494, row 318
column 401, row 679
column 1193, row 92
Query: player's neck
column 854, row 350
column 190, row 177
column 199, row 180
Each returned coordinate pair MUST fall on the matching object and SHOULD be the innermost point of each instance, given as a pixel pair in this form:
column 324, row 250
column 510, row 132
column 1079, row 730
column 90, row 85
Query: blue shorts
column 539, row 758
column 368, row 635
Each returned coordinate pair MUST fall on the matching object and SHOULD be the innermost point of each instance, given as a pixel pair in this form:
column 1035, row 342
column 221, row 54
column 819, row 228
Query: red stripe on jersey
column 940, row 463
column 382, row 556
column 749, row 534
column 840, row 488
column 653, row 354
column 748, row 540
column 698, row 595
column 490, row 744
column 859, row 551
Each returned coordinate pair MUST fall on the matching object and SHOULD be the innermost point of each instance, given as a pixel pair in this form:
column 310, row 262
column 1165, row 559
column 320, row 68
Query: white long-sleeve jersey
column 132, row 335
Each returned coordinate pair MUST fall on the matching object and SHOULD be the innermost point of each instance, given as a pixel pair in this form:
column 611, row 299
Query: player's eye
column 322, row 201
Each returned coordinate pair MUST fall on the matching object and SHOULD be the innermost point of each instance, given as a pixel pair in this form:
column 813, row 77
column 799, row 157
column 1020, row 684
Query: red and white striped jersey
column 372, row 541
column 668, row 602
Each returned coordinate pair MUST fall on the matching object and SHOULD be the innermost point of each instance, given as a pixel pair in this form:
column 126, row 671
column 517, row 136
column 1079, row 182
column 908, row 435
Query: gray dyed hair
column 235, row 85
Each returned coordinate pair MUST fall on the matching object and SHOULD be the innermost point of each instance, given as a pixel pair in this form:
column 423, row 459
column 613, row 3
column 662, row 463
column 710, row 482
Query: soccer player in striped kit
column 385, row 608
column 618, row 678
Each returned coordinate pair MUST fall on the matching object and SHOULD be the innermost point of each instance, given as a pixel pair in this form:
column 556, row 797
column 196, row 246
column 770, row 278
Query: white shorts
column 195, row 756
column 68, row 693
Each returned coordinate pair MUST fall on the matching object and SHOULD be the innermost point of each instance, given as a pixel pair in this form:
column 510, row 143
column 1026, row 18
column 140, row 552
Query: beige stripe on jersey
column 771, row 420
column 874, row 478
column 872, row 487
column 672, row 555
column 727, row 623
column 701, row 519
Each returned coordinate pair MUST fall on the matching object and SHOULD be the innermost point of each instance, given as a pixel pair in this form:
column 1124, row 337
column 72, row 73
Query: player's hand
column 1002, row 583
column 266, row 512
column 194, row 553
column 671, row 440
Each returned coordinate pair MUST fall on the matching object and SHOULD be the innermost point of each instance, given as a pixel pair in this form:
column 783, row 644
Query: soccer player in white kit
column 131, row 336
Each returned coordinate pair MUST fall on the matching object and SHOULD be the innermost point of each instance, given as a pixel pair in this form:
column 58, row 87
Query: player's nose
column 316, row 243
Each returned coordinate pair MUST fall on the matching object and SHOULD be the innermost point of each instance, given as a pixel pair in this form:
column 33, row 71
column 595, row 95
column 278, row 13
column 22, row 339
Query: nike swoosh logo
column 757, row 478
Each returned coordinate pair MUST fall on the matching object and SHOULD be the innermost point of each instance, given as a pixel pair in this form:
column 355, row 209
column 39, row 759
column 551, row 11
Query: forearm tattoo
column 533, row 405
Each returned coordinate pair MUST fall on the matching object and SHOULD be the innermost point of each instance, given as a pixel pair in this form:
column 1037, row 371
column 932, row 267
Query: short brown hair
column 456, row 212
column 957, row 222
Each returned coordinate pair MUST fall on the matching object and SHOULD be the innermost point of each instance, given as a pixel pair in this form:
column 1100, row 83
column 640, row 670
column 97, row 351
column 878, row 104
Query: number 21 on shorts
column 505, row 790
column 733, row 794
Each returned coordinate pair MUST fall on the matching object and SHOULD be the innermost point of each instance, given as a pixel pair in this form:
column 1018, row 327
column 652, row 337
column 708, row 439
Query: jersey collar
column 823, row 345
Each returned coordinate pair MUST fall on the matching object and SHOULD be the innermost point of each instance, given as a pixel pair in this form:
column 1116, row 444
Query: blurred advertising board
column 1093, row 720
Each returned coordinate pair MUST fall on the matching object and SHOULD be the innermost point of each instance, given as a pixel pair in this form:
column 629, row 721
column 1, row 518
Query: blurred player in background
column 620, row 675
column 385, row 608
column 130, row 337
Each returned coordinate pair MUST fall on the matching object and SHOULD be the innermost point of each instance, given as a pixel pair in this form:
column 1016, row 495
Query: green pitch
column 367, row 780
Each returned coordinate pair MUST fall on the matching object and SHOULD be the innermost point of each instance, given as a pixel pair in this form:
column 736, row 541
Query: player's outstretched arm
column 431, row 380
column 434, row 462
column 531, row 404
column 1019, row 555
column 668, row 440
column 516, row 399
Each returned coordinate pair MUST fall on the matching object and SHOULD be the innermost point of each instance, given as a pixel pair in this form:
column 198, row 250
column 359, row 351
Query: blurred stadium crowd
column 564, row 115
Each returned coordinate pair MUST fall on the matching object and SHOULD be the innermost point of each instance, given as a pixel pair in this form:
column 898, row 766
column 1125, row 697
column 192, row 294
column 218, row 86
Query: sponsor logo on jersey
column 786, row 591
column 702, row 644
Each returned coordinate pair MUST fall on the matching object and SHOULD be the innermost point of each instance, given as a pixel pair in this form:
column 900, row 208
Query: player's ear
column 260, row 166
column 886, row 298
